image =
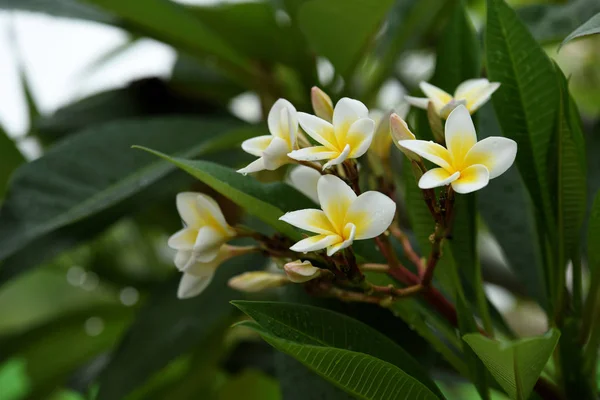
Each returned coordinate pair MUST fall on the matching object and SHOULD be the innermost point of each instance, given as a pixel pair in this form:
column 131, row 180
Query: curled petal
column 254, row 166
column 335, row 197
column 305, row 180
column 349, row 234
column 314, row 243
column 347, row 111
column 314, row 154
column 471, row 179
column 283, row 121
column 183, row 259
column 208, row 243
column 211, row 215
column 435, row 95
column 372, row 213
column 188, row 209
column 496, row 153
column 476, row 92
column 460, row 134
column 310, row 220
column 339, row 159
column 419, row 102
column 360, row 136
column 257, row 145
column 275, row 155
column 437, row 177
column 191, row 286
column 318, row 129
column 301, row 271
column 430, row 151
column 183, row 239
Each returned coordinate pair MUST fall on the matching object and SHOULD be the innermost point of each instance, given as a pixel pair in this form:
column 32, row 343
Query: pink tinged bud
column 400, row 131
column 322, row 104
column 301, row 271
column 256, row 281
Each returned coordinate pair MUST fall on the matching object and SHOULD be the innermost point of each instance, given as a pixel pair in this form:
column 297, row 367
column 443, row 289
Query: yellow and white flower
column 472, row 93
column 344, row 217
column 301, row 271
column 349, row 136
column 305, row 179
column 466, row 164
column 273, row 149
column 256, row 281
column 204, row 234
column 198, row 275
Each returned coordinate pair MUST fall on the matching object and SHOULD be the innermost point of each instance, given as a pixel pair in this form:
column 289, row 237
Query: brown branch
column 409, row 252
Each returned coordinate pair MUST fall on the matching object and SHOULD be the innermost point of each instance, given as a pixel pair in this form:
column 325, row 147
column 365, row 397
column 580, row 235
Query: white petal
column 208, row 243
column 430, row 151
column 314, row 243
column 350, row 234
column 476, row 92
column 372, row 213
column 276, row 154
column 471, row 179
column 283, row 121
column 191, row 285
column 436, row 95
column 314, row 154
column 318, row 129
column 335, row 197
column 257, row 145
column 360, row 136
column 203, row 268
column 305, row 180
column 183, row 259
column 310, row 220
column 419, row 102
column 211, row 213
column 496, row 153
column 437, row 177
column 301, row 271
column 254, row 166
column 188, row 209
column 339, row 159
column 460, row 134
column 183, row 239
column 347, row 111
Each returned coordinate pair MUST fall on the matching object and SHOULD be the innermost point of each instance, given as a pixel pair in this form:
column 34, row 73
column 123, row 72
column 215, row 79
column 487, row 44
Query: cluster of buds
column 327, row 173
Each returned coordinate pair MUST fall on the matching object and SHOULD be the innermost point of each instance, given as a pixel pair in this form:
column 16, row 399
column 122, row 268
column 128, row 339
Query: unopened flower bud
column 400, row 131
column 435, row 123
column 301, row 271
column 322, row 104
column 256, row 281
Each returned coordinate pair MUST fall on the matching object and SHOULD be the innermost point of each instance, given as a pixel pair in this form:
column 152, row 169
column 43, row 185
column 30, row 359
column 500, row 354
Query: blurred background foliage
column 87, row 286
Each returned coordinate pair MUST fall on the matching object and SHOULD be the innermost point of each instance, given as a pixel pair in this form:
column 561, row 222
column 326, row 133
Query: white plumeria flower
column 256, row 281
column 344, row 217
column 305, row 180
column 466, row 164
column 273, row 149
column 204, row 233
column 349, row 136
column 472, row 93
column 198, row 275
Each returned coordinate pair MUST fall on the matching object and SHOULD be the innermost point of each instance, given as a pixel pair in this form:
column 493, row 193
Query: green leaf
column 97, row 172
column 527, row 101
column 515, row 365
column 265, row 201
column 251, row 385
column 13, row 379
column 590, row 27
column 593, row 237
column 318, row 326
column 10, row 159
column 61, row 8
column 341, row 30
column 167, row 327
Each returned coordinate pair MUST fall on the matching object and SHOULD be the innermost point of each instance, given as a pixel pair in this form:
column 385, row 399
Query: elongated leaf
column 593, row 237
column 359, row 374
column 167, row 327
column 318, row 326
column 341, row 29
column 528, row 98
column 265, row 201
column 10, row 159
column 516, row 365
column 61, row 8
column 590, row 27
column 96, row 171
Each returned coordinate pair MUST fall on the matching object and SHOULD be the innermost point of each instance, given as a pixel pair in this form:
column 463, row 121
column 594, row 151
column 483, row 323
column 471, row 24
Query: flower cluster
column 325, row 146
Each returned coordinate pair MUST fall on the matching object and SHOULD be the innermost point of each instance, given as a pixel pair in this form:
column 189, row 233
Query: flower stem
column 374, row 267
column 409, row 252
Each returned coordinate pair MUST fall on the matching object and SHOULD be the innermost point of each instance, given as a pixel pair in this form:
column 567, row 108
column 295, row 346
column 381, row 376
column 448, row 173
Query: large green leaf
column 516, row 365
column 340, row 30
column 319, row 326
column 167, row 327
column 265, row 201
column 61, row 8
column 593, row 237
column 96, row 172
column 10, row 159
column 590, row 27
column 527, row 101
